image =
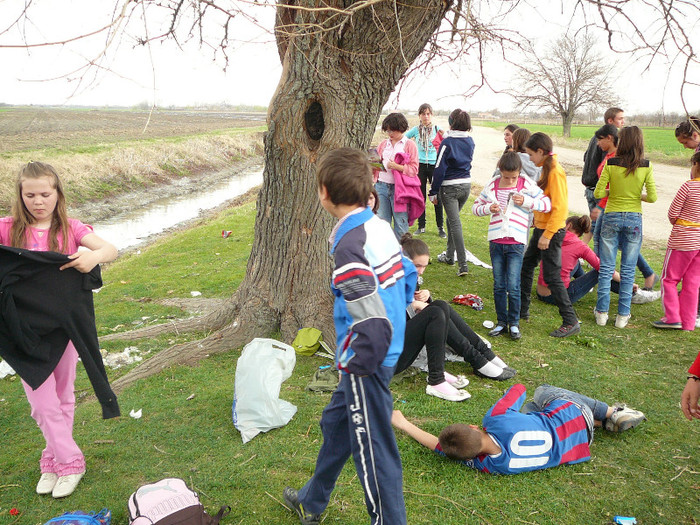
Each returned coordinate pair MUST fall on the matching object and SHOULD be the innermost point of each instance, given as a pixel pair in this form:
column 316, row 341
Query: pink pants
column 53, row 408
column 681, row 266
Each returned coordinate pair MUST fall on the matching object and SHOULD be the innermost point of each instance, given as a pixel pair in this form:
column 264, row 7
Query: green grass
column 660, row 143
column 650, row 472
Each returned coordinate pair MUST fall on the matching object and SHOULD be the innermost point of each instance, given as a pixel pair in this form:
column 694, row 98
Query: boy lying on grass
column 554, row 429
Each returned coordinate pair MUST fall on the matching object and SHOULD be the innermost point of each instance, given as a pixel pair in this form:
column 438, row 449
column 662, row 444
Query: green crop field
column 660, row 143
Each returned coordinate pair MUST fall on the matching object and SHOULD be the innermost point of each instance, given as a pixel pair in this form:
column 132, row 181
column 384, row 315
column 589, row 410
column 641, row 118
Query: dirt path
column 489, row 146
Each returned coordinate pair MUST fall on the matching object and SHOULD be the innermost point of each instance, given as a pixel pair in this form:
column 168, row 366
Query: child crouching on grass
column 372, row 284
column 556, row 428
column 508, row 198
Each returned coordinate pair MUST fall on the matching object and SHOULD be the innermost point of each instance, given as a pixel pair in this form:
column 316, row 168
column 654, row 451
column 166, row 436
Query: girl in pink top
column 39, row 222
column 395, row 126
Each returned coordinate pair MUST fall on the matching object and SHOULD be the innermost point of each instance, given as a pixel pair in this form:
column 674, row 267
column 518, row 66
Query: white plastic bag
column 262, row 368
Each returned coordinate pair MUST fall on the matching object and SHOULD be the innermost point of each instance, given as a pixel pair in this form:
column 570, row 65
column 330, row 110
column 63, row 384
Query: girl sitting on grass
column 434, row 324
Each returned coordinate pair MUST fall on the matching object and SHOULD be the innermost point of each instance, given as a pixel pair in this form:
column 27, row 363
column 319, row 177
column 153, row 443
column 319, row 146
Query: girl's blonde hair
column 22, row 218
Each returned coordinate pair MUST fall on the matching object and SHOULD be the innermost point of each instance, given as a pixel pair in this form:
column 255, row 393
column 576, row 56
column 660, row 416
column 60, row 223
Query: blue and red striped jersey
column 555, row 436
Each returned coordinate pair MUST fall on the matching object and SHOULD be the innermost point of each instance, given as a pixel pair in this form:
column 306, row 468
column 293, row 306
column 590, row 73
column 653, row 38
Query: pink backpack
column 169, row 502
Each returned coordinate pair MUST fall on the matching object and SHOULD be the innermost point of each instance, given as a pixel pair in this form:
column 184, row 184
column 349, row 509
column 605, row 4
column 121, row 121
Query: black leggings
column 427, row 328
column 435, row 326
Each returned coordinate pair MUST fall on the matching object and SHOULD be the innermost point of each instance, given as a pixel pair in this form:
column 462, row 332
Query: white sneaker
column 66, row 485
column 622, row 320
column 697, row 322
column 47, row 482
column 644, row 296
column 601, row 318
column 623, row 418
column 457, row 395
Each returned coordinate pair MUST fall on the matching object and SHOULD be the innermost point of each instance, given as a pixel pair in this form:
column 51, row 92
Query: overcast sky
column 191, row 75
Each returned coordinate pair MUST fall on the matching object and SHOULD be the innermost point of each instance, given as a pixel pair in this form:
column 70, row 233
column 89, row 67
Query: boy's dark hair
column 695, row 159
column 607, row 130
column 686, row 128
column 460, row 441
column 395, row 122
column 580, row 224
column 413, row 247
column 611, row 113
column 510, row 161
column 460, row 120
column 347, row 176
column 520, row 137
column 425, row 107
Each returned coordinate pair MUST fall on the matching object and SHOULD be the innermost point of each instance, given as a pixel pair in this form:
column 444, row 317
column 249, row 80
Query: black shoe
column 419, row 231
column 499, row 330
column 291, row 498
column 515, row 333
column 524, row 316
column 566, row 330
column 463, row 272
column 441, row 233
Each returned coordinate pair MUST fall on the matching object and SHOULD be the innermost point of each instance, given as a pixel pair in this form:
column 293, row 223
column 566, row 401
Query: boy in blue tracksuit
column 372, row 283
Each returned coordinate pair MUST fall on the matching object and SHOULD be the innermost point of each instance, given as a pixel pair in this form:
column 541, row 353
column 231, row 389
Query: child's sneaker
column 66, row 485
column 441, row 233
column 447, row 392
column 622, row 320
column 663, row 323
column 601, row 318
column 291, row 498
column 623, row 418
column 47, row 482
column 566, row 330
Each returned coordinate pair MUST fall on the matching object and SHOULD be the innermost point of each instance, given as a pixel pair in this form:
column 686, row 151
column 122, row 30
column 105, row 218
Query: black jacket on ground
column 41, row 309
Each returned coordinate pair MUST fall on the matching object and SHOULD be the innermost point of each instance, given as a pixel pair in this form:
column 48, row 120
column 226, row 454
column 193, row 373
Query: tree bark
column 338, row 72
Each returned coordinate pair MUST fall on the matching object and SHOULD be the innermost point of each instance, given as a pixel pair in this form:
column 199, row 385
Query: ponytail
column 412, row 247
column 579, row 224
column 541, row 141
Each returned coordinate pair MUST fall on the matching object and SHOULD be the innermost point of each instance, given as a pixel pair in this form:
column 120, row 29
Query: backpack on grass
column 169, row 502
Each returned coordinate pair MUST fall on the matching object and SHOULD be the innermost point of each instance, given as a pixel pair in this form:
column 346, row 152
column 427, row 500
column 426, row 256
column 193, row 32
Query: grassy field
column 57, row 130
column 100, row 153
column 650, row 472
column 660, row 143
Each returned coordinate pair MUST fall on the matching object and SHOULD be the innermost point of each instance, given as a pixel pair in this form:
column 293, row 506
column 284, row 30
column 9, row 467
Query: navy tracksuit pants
column 357, row 421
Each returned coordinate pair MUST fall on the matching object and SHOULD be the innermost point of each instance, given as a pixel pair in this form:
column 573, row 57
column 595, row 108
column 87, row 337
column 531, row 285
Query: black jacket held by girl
column 41, row 309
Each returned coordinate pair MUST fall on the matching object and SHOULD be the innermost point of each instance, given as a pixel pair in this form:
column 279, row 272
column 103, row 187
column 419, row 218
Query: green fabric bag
column 307, row 341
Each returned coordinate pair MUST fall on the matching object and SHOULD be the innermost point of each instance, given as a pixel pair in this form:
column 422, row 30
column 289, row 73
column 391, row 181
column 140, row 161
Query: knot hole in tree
column 314, row 124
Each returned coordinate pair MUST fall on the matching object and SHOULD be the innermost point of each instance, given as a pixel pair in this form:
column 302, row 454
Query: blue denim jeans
column 580, row 286
column 507, row 260
column 642, row 263
column 592, row 409
column 623, row 231
column 453, row 199
column 386, row 211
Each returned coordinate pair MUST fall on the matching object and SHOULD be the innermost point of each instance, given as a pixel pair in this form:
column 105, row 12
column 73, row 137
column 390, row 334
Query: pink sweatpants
column 681, row 266
column 53, row 408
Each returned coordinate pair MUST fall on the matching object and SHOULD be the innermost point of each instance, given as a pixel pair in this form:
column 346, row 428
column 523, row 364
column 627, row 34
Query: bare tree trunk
column 567, row 121
column 334, row 83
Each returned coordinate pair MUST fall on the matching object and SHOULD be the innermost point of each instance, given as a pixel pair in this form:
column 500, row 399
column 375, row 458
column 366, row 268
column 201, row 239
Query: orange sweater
column 558, row 192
